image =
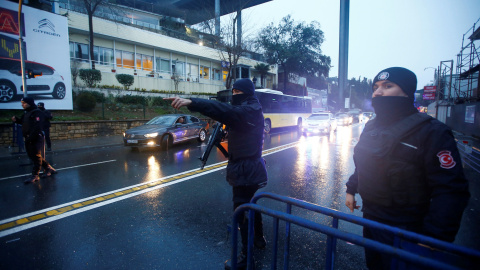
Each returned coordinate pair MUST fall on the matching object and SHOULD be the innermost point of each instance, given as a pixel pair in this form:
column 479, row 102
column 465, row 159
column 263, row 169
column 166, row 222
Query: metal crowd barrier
column 470, row 155
column 444, row 250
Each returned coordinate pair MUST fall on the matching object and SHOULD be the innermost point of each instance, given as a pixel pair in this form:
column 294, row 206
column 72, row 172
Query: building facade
column 152, row 53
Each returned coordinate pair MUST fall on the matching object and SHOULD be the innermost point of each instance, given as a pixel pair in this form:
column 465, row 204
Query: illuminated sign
column 9, row 22
column 9, row 47
column 429, row 92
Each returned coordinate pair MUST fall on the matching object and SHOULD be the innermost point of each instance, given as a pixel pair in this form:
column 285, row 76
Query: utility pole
column 343, row 52
column 22, row 52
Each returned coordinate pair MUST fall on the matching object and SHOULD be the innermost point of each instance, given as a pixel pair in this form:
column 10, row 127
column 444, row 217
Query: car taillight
column 62, row 78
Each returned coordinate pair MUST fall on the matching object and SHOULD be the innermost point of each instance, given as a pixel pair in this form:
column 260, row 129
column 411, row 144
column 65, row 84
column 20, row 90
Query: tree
column 126, row 80
column 296, row 47
column 263, row 70
column 90, row 7
column 90, row 76
column 229, row 45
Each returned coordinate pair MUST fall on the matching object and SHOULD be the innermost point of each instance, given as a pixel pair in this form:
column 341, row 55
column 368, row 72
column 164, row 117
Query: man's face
column 387, row 89
column 25, row 105
column 236, row 92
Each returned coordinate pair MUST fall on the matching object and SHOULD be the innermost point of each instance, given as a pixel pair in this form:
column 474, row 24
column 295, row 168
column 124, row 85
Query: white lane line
column 66, row 168
column 123, row 197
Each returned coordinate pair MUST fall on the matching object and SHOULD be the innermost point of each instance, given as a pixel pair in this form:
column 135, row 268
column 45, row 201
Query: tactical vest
column 383, row 177
column 245, row 141
column 28, row 122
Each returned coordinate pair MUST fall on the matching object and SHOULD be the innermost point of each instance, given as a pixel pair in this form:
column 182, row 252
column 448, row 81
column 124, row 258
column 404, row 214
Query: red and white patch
column 446, row 159
column 383, row 76
column 38, row 119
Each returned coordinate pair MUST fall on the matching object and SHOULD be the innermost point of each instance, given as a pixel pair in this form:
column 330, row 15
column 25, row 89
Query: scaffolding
column 468, row 65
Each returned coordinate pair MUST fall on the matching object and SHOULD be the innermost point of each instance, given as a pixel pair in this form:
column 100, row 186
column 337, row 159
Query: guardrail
column 448, row 258
column 470, row 155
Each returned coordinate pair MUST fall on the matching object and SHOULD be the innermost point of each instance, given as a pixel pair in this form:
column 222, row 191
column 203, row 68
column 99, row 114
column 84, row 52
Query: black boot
column 50, row 171
column 259, row 240
column 32, row 179
column 241, row 262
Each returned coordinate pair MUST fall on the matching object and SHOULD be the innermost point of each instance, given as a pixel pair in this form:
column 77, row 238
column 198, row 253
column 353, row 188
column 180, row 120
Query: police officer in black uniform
column 408, row 170
column 32, row 128
column 246, row 171
column 46, row 126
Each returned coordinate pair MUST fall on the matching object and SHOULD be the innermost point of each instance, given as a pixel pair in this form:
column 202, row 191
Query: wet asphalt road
column 114, row 208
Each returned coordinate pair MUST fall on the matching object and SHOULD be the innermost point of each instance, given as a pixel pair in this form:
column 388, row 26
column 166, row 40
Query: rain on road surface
column 116, row 208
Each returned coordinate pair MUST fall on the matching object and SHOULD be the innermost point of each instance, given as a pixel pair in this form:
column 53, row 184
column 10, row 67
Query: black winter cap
column 29, row 101
column 403, row 77
column 246, row 86
column 41, row 105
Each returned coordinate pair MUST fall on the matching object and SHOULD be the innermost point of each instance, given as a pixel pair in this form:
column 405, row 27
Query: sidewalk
column 67, row 145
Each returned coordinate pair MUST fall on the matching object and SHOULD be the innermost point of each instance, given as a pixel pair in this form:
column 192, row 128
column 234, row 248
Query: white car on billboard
column 48, row 83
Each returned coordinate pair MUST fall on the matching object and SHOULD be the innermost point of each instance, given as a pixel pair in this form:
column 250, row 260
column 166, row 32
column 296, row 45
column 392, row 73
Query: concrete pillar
column 217, row 18
column 343, row 52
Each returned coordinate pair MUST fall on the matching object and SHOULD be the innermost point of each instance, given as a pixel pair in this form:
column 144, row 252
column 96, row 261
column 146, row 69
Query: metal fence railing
column 470, row 154
column 444, row 255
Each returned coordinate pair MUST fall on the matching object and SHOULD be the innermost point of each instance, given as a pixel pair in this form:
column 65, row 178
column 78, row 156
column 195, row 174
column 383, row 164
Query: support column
column 217, row 18
column 343, row 52
column 239, row 26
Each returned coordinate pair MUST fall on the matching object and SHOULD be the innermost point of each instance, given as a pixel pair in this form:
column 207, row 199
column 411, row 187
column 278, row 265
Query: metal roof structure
column 192, row 11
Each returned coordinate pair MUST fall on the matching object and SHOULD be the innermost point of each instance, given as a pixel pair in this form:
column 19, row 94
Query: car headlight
column 151, row 135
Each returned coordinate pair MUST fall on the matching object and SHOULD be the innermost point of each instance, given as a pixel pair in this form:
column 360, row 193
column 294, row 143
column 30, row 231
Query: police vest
column 245, row 141
column 384, row 178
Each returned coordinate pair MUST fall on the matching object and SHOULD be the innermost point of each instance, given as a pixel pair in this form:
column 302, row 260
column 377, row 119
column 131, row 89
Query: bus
column 279, row 110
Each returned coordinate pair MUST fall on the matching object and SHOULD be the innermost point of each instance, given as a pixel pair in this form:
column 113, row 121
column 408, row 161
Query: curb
column 24, row 154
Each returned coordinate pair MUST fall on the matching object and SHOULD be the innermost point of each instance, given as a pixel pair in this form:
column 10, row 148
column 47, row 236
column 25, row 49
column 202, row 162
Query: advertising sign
column 45, row 40
column 470, row 114
column 429, row 92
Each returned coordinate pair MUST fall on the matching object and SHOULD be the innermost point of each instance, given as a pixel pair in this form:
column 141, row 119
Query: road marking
column 66, row 168
column 37, row 218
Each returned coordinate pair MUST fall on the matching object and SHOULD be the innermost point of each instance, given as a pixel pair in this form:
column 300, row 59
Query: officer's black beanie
column 403, row 77
column 246, row 86
column 29, row 101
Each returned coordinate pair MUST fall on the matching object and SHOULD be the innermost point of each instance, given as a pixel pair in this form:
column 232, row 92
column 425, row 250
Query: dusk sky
column 416, row 34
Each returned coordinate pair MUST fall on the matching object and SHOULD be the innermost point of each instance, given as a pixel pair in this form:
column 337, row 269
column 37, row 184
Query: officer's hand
column 177, row 102
column 350, row 202
column 14, row 118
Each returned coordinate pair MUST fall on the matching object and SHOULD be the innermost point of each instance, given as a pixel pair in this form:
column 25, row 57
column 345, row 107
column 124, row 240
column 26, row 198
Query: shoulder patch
column 38, row 119
column 446, row 159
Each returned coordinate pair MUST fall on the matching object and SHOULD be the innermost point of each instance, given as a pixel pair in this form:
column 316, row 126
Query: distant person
column 32, row 128
column 46, row 126
column 180, row 120
column 408, row 170
column 246, row 171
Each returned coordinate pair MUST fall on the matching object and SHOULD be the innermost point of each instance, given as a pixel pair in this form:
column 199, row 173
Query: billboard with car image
column 47, row 58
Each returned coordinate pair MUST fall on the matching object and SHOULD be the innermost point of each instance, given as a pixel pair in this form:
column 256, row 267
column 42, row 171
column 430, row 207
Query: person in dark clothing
column 32, row 128
column 46, row 125
column 246, row 171
column 408, row 170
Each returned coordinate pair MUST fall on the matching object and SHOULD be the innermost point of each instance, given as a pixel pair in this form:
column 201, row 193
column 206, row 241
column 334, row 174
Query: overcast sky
column 415, row 34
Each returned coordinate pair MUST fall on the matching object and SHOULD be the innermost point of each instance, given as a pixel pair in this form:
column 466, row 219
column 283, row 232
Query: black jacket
column 245, row 126
column 32, row 123
column 420, row 180
column 48, row 117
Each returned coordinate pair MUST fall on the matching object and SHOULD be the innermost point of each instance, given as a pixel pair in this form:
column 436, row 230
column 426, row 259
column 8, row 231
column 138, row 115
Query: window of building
column 178, row 68
column 192, row 71
column 128, row 59
column 103, row 56
column 79, row 51
column 204, row 72
column 118, row 58
column 163, row 65
column 147, row 62
column 217, row 74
